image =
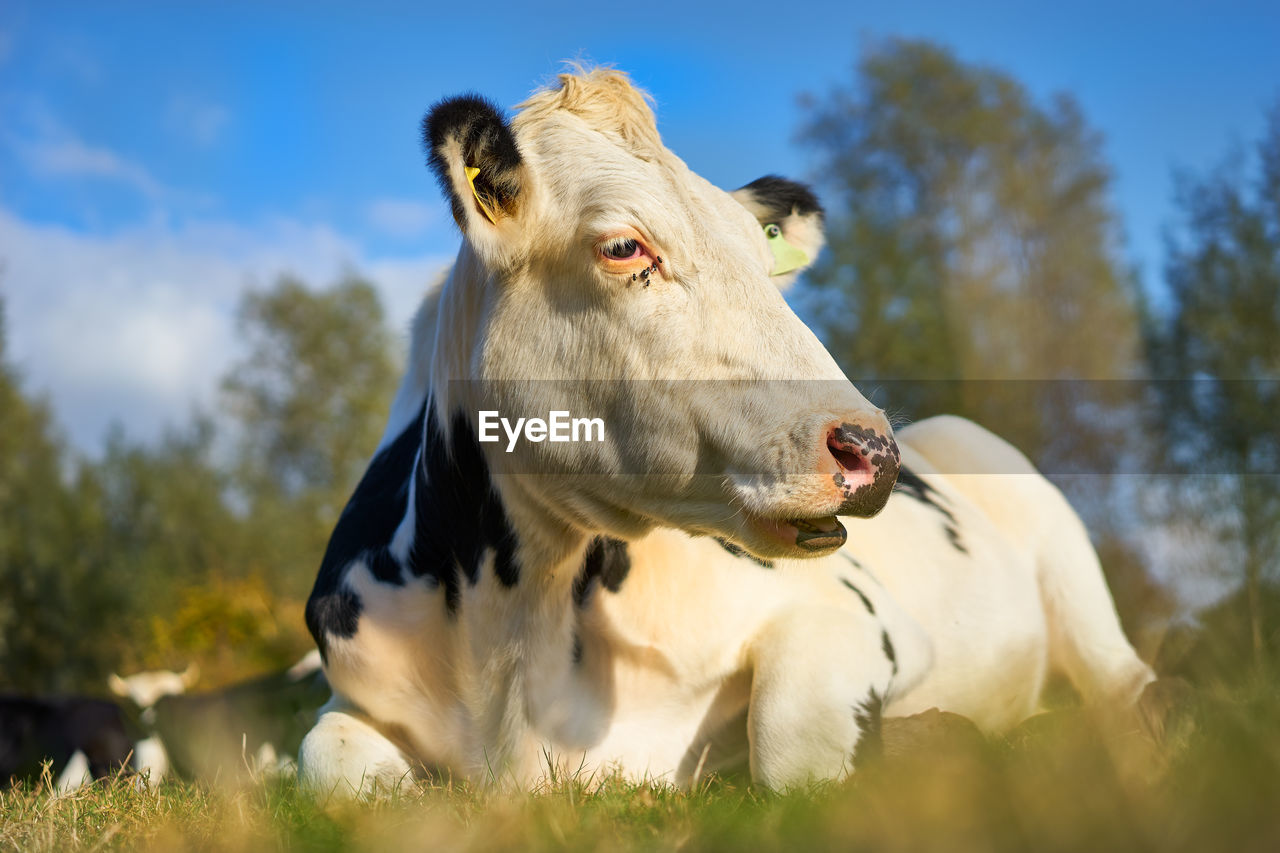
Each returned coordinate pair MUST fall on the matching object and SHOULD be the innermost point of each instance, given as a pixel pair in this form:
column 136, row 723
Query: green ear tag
column 786, row 257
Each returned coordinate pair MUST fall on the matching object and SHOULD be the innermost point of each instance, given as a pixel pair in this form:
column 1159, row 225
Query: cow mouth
column 820, row 535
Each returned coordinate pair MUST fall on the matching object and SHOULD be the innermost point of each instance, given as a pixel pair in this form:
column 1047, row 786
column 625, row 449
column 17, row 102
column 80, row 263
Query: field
column 1063, row 780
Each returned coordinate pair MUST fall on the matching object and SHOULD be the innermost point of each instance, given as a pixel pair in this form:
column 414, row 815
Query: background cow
column 253, row 726
column 80, row 737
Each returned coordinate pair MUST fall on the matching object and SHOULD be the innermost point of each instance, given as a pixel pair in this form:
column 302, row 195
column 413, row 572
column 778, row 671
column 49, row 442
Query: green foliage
column 311, row 397
column 1215, row 343
column 309, row 403
column 970, row 240
column 54, row 597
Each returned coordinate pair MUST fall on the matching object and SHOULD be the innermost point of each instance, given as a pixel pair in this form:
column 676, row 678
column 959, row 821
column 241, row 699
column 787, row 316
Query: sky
column 157, row 159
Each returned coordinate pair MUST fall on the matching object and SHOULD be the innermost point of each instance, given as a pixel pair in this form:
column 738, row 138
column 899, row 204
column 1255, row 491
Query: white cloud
column 398, row 217
column 137, row 326
column 68, row 157
column 197, row 120
column 49, row 149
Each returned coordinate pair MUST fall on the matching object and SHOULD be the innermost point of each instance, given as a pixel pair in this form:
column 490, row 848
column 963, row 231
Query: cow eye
column 624, row 249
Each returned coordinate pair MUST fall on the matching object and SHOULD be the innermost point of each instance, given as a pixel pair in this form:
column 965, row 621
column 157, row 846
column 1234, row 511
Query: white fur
column 703, row 660
column 150, row 760
column 74, row 775
column 146, row 688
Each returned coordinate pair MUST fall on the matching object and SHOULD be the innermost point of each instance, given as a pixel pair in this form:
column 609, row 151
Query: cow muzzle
column 866, row 467
column 862, row 463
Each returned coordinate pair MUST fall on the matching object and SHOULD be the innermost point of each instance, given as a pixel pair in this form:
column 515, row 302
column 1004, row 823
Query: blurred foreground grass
column 1061, row 781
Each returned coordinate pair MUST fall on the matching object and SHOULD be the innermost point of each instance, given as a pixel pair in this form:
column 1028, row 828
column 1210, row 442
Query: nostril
column 848, row 460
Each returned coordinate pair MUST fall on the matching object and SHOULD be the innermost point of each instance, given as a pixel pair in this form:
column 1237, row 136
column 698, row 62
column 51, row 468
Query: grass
column 1061, row 781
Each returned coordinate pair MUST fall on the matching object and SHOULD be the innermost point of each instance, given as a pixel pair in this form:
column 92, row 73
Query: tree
column 970, row 240
column 310, row 401
column 1215, row 344
column 55, row 605
column 194, row 547
column 973, row 269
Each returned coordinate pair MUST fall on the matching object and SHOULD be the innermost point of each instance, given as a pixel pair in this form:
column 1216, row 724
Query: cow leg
column 1085, row 637
column 151, row 761
column 345, row 756
column 1086, row 641
column 74, row 775
column 819, row 678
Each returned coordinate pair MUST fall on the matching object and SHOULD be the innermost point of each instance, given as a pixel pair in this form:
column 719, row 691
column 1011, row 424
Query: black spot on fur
column 606, row 560
column 743, row 553
column 458, row 517
column 886, row 645
column 335, row 615
column 867, row 715
column 911, row 484
column 486, row 143
column 865, row 601
column 364, row 530
column 781, row 198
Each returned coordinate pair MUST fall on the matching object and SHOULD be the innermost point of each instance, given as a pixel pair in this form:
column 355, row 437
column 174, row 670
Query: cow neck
column 494, row 538
column 467, row 524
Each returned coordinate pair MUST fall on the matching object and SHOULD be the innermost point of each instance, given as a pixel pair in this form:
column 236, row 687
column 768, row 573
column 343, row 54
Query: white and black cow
column 252, row 726
column 81, row 738
column 678, row 597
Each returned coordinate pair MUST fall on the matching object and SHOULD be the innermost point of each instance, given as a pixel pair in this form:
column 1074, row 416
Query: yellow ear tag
column 786, row 257
column 471, row 172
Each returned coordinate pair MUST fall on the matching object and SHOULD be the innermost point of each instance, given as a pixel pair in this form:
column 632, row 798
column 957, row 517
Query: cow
column 157, row 728
column 251, row 727
column 681, row 595
column 80, row 737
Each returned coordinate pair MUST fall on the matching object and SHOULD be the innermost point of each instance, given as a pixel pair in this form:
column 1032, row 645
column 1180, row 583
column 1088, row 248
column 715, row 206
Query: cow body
column 251, row 726
column 680, row 598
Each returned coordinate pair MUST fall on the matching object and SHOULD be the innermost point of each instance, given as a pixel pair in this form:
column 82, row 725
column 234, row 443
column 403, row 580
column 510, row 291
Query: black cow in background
column 253, row 727
column 79, row 735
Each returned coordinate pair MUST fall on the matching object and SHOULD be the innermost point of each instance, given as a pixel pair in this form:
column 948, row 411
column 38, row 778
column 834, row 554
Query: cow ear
column 791, row 217
column 118, row 685
column 473, row 153
column 191, row 675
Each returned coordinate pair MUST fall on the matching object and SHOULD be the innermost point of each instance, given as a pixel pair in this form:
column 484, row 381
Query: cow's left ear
column 791, row 217
column 473, row 153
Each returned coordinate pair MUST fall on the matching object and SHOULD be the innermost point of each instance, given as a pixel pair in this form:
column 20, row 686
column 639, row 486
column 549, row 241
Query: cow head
column 144, row 689
column 600, row 276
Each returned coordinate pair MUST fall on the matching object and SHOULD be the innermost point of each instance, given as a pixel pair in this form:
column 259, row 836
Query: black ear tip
column 469, row 130
column 782, row 196
column 449, row 115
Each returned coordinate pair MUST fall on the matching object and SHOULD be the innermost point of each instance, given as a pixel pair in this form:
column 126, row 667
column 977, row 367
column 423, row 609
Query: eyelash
column 621, row 254
column 622, row 249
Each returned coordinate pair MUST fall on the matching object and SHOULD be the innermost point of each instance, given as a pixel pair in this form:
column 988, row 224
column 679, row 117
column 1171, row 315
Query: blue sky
column 157, row 158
